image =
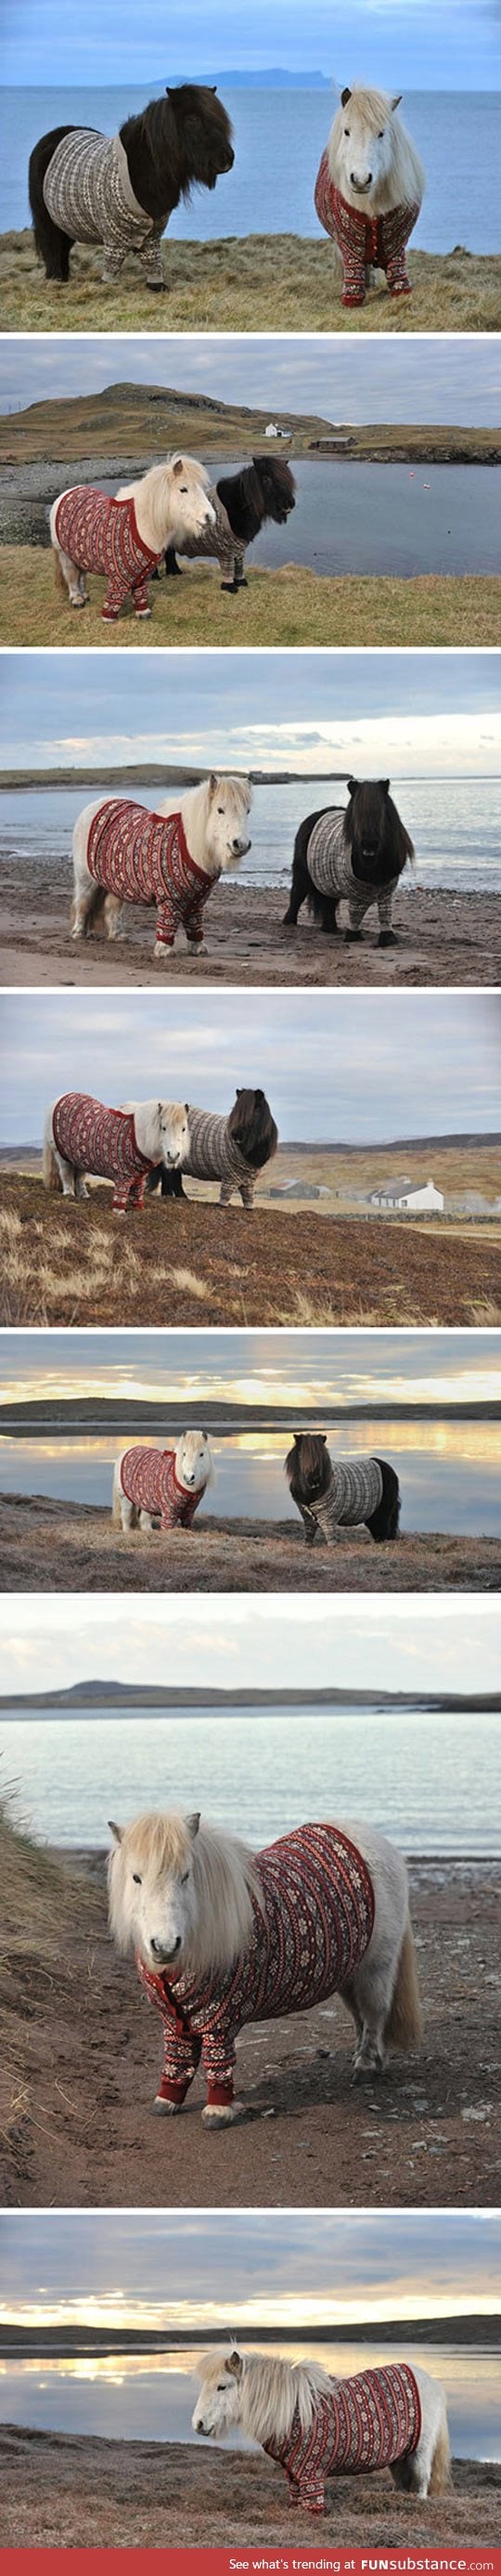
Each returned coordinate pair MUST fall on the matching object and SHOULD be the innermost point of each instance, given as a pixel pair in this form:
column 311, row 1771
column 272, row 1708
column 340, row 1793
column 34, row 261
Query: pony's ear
column 396, row 102
column 177, row 467
column 115, row 1830
column 235, row 2365
column 297, row 1436
column 385, row 784
column 345, row 95
column 212, row 783
column 323, row 1438
column 239, row 1092
column 353, row 783
column 192, row 1823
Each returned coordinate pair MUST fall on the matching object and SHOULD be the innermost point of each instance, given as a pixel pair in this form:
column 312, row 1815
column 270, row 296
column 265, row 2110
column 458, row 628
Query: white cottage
column 409, row 1197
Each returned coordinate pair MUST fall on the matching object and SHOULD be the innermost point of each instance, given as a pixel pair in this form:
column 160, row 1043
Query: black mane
column 179, row 142
column 263, row 490
column 308, row 1466
column 374, row 833
column 253, row 1129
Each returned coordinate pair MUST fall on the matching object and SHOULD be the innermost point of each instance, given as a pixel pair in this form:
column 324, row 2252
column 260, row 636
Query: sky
column 239, row 1643
column 253, row 1367
column 456, row 380
column 385, row 1066
column 413, row 713
column 421, row 44
column 247, row 2268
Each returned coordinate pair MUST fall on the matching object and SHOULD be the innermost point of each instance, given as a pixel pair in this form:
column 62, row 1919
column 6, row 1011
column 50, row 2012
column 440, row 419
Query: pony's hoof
column 165, row 2110
column 157, row 287
column 143, row 612
column 222, row 2115
column 233, row 586
column 351, row 936
column 80, row 603
column 387, row 939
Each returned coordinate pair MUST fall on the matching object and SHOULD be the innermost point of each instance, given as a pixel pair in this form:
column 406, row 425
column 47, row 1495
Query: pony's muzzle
column 361, row 185
column 160, row 1953
column 239, row 848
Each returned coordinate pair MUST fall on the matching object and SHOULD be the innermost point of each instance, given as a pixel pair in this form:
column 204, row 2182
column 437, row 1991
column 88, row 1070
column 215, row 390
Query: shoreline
column 444, row 938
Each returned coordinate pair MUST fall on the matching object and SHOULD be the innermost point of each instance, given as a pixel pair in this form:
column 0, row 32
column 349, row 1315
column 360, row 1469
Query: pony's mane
column 173, row 145
column 248, row 497
column 253, row 1129
column 224, row 1878
column 308, row 1466
column 189, row 1436
column 398, row 846
column 407, row 175
column 156, row 484
column 271, row 2389
column 151, row 1113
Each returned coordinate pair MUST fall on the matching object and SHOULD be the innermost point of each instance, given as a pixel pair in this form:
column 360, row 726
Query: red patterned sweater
column 103, row 1141
column 312, row 1925
column 148, row 1479
column 144, row 858
column 102, row 535
column 365, row 241
column 365, row 2423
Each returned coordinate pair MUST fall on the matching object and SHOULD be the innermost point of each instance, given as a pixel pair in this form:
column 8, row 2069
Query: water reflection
column 450, row 1471
column 138, row 2398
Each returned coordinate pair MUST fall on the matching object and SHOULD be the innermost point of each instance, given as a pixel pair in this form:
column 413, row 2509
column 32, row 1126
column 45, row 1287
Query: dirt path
column 84, row 2048
column 192, row 1262
column 52, row 1546
column 267, row 282
column 444, row 939
column 79, row 2493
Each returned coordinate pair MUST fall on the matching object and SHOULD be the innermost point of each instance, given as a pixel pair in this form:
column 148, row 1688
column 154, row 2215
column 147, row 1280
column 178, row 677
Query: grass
column 267, row 282
column 291, row 607
column 41, row 1904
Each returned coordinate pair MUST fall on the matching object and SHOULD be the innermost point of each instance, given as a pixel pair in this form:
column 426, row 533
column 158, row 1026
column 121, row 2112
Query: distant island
column 97, row 1695
column 66, row 2341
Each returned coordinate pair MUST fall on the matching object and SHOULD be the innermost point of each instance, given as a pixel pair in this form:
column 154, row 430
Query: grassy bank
column 267, row 282
column 40, row 1906
column 294, row 606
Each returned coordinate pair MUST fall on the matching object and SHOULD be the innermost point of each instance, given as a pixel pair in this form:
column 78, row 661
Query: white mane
column 269, row 2391
column 155, row 1122
column 403, row 181
column 224, row 1880
column 158, row 503
column 198, row 809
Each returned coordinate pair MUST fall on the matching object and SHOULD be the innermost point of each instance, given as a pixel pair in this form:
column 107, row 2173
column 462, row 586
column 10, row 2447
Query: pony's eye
column 184, row 1880
column 347, row 132
column 380, row 136
column 220, row 809
column 137, row 1880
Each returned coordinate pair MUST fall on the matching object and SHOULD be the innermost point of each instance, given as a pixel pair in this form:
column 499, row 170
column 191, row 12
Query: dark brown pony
column 253, row 1129
column 263, row 490
column 308, row 1468
column 179, row 142
column 378, row 846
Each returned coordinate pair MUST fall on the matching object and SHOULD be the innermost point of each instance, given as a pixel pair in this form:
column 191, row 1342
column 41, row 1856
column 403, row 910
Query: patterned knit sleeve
column 181, row 2048
column 218, row 2060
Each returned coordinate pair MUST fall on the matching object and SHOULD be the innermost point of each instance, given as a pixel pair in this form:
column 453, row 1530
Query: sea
column 455, row 824
column 430, row 1780
column 349, row 518
column 450, row 1472
column 279, row 138
column 134, row 2398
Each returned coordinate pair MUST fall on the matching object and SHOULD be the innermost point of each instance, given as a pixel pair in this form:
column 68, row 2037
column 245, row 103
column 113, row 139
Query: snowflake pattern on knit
column 367, row 2422
column 144, row 858
column 102, row 1141
column 148, row 1479
column 365, row 241
column 214, row 1156
column 88, row 192
column 329, row 862
column 311, row 1928
column 101, row 535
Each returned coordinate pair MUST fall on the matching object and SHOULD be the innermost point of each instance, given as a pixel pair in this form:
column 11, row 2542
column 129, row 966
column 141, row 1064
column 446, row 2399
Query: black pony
column 178, row 143
column 373, row 842
column 251, row 1127
column 311, row 1474
column 263, row 490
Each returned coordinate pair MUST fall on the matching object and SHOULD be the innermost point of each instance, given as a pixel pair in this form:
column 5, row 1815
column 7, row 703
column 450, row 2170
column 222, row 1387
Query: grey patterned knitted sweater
column 88, row 192
column 218, row 541
column 353, row 1494
column 214, row 1156
column 329, row 862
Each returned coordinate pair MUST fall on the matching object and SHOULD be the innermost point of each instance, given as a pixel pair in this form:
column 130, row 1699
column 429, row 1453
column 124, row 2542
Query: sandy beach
column 74, row 2491
column 443, row 939
column 52, row 1546
column 81, row 2054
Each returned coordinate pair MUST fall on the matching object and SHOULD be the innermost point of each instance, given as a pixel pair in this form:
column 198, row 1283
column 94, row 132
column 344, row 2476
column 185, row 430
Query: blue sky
column 230, row 2268
column 421, row 712
column 421, row 44
column 397, row 1064
column 253, row 1367
column 443, row 379
column 240, row 1644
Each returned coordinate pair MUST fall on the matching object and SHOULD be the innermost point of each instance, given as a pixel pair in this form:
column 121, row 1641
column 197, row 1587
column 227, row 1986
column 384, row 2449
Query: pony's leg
column 126, row 1515
column 113, row 262
column 140, row 599
column 146, row 1523
column 75, row 581
column 81, row 1190
column 151, row 263
column 247, row 1193
column 225, row 1193
column 356, row 912
column 387, row 935
column 67, row 1175
column 112, row 917
column 241, row 582
column 371, row 1993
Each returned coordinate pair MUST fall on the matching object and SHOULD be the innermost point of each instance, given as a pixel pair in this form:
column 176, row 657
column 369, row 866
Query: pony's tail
column 115, row 1499
column 52, row 245
column 440, row 2472
column 404, row 2025
column 50, row 1174
column 384, row 1523
column 58, row 570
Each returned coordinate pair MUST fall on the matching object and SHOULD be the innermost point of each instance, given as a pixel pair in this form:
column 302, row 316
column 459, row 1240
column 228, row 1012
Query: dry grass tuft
column 289, row 607
column 38, row 1911
column 275, row 282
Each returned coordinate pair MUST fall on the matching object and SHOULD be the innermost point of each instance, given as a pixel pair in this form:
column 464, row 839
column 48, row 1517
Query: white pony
column 257, row 1935
column 173, row 1480
column 112, row 1144
column 121, row 855
column 277, row 2402
column 371, row 167
column 126, row 536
